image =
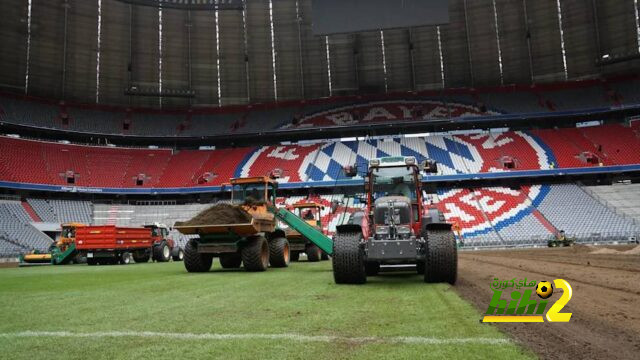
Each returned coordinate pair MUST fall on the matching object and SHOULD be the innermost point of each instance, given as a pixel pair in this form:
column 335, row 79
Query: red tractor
column 397, row 228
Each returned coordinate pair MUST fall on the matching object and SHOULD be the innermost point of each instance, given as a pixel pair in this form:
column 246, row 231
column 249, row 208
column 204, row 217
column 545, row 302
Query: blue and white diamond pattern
column 454, row 156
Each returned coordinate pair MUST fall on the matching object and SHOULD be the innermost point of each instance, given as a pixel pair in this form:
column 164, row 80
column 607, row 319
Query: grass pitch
column 302, row 300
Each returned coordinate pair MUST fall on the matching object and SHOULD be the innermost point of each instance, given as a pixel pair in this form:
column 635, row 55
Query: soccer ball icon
column 544, row 289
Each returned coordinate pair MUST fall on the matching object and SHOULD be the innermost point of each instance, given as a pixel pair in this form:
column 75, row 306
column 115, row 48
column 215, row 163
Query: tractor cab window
column 68, row 232
column 253, row 193
column 308, row 213
column 394, row 181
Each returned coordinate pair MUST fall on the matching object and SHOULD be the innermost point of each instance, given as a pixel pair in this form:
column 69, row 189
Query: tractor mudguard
column 348, row 228
column 278, row 233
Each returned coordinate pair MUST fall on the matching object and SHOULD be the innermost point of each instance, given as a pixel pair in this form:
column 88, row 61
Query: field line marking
column 419, row 340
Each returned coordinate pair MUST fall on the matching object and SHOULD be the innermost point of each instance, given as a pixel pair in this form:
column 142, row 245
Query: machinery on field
column 108, row 244
column 396, row 228
column 311, row 213
column 62, row 251
column 561, row 240
column 255, row 243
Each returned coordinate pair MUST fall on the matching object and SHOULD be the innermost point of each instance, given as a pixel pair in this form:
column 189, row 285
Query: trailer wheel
column 141, row 256
column 194, row 261
column 279, row 254
column 294, row 255
column 324, row 256
column 441, row 260
column 125, row 258
column 230, row 261
column 313, row 252
column 178, row 257
column 255, row 255
column 348, row 259
column 162, row 253
column 372, row 268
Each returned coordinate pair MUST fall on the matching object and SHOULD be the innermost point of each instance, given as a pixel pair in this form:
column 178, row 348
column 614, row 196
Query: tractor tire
column 162, row 253
column 314, row 253
column 194, row 261
column 230, row 261
column 92, row 262
column 324, row 256
column 420, row 267
column 179, row 257
column 372, row 268
column 348, row 259
column 294, row 256
column 441, row 260
column 279, row 254
column 124, row 258
column 255, row 255
column 141, row 257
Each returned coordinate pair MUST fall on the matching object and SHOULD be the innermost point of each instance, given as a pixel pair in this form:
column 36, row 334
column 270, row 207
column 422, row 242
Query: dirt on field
column 606, row 297
column 217, row 215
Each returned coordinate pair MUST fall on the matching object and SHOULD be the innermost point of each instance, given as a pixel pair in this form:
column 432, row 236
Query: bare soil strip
column 605, row 304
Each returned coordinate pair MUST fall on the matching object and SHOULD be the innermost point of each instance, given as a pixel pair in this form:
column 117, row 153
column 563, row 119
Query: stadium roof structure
column 191, row 4
column 91, row 51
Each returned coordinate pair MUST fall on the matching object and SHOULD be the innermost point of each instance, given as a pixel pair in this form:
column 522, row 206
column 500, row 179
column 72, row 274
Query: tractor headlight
column 382, row 230
column 403, row 229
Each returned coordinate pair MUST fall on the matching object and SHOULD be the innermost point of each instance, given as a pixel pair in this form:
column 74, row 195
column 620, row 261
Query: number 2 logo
column 554, row 314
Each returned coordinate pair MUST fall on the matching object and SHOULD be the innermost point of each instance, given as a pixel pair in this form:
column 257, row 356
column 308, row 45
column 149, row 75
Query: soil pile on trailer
column 218, row 215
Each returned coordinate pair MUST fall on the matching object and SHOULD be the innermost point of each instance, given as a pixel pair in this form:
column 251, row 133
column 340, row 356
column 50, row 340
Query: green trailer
column 257, row 244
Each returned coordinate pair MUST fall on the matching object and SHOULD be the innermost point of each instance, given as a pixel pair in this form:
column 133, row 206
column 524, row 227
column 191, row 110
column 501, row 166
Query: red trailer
column 108, row 244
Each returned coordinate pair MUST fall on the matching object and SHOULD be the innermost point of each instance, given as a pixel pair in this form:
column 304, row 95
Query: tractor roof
column 392, row 161
column 253, row 180
column 73, row 224
column 307, row 205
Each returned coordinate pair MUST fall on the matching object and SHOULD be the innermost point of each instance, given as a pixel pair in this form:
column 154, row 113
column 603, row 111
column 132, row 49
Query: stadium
column 260, row 179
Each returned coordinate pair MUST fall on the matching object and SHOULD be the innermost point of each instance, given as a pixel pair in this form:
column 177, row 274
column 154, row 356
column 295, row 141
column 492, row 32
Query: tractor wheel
column 295, row 256
column 141, row 257
column 124, row 258
column 161, row 253
column 441, row 260
column 313, row 252
column 420, row 267
column 230, row 261
column 372, row 268
column 178, row 257
column 91, row 262
column 324, row 256
column 279, row 253
column 194, row 261
column 255, row 255
column 348, row 259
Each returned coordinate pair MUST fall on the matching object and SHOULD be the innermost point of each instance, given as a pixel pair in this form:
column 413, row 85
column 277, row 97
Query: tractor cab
column 394, row 197
column 68, row 235
column 309, row 212
column 253, row 190
column 159, row 231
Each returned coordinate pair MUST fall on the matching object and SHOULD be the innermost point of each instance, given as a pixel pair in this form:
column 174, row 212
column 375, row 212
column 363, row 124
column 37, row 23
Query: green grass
column 299, row 300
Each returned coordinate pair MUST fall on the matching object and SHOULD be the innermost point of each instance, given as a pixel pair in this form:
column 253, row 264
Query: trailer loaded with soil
column 245, row 232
